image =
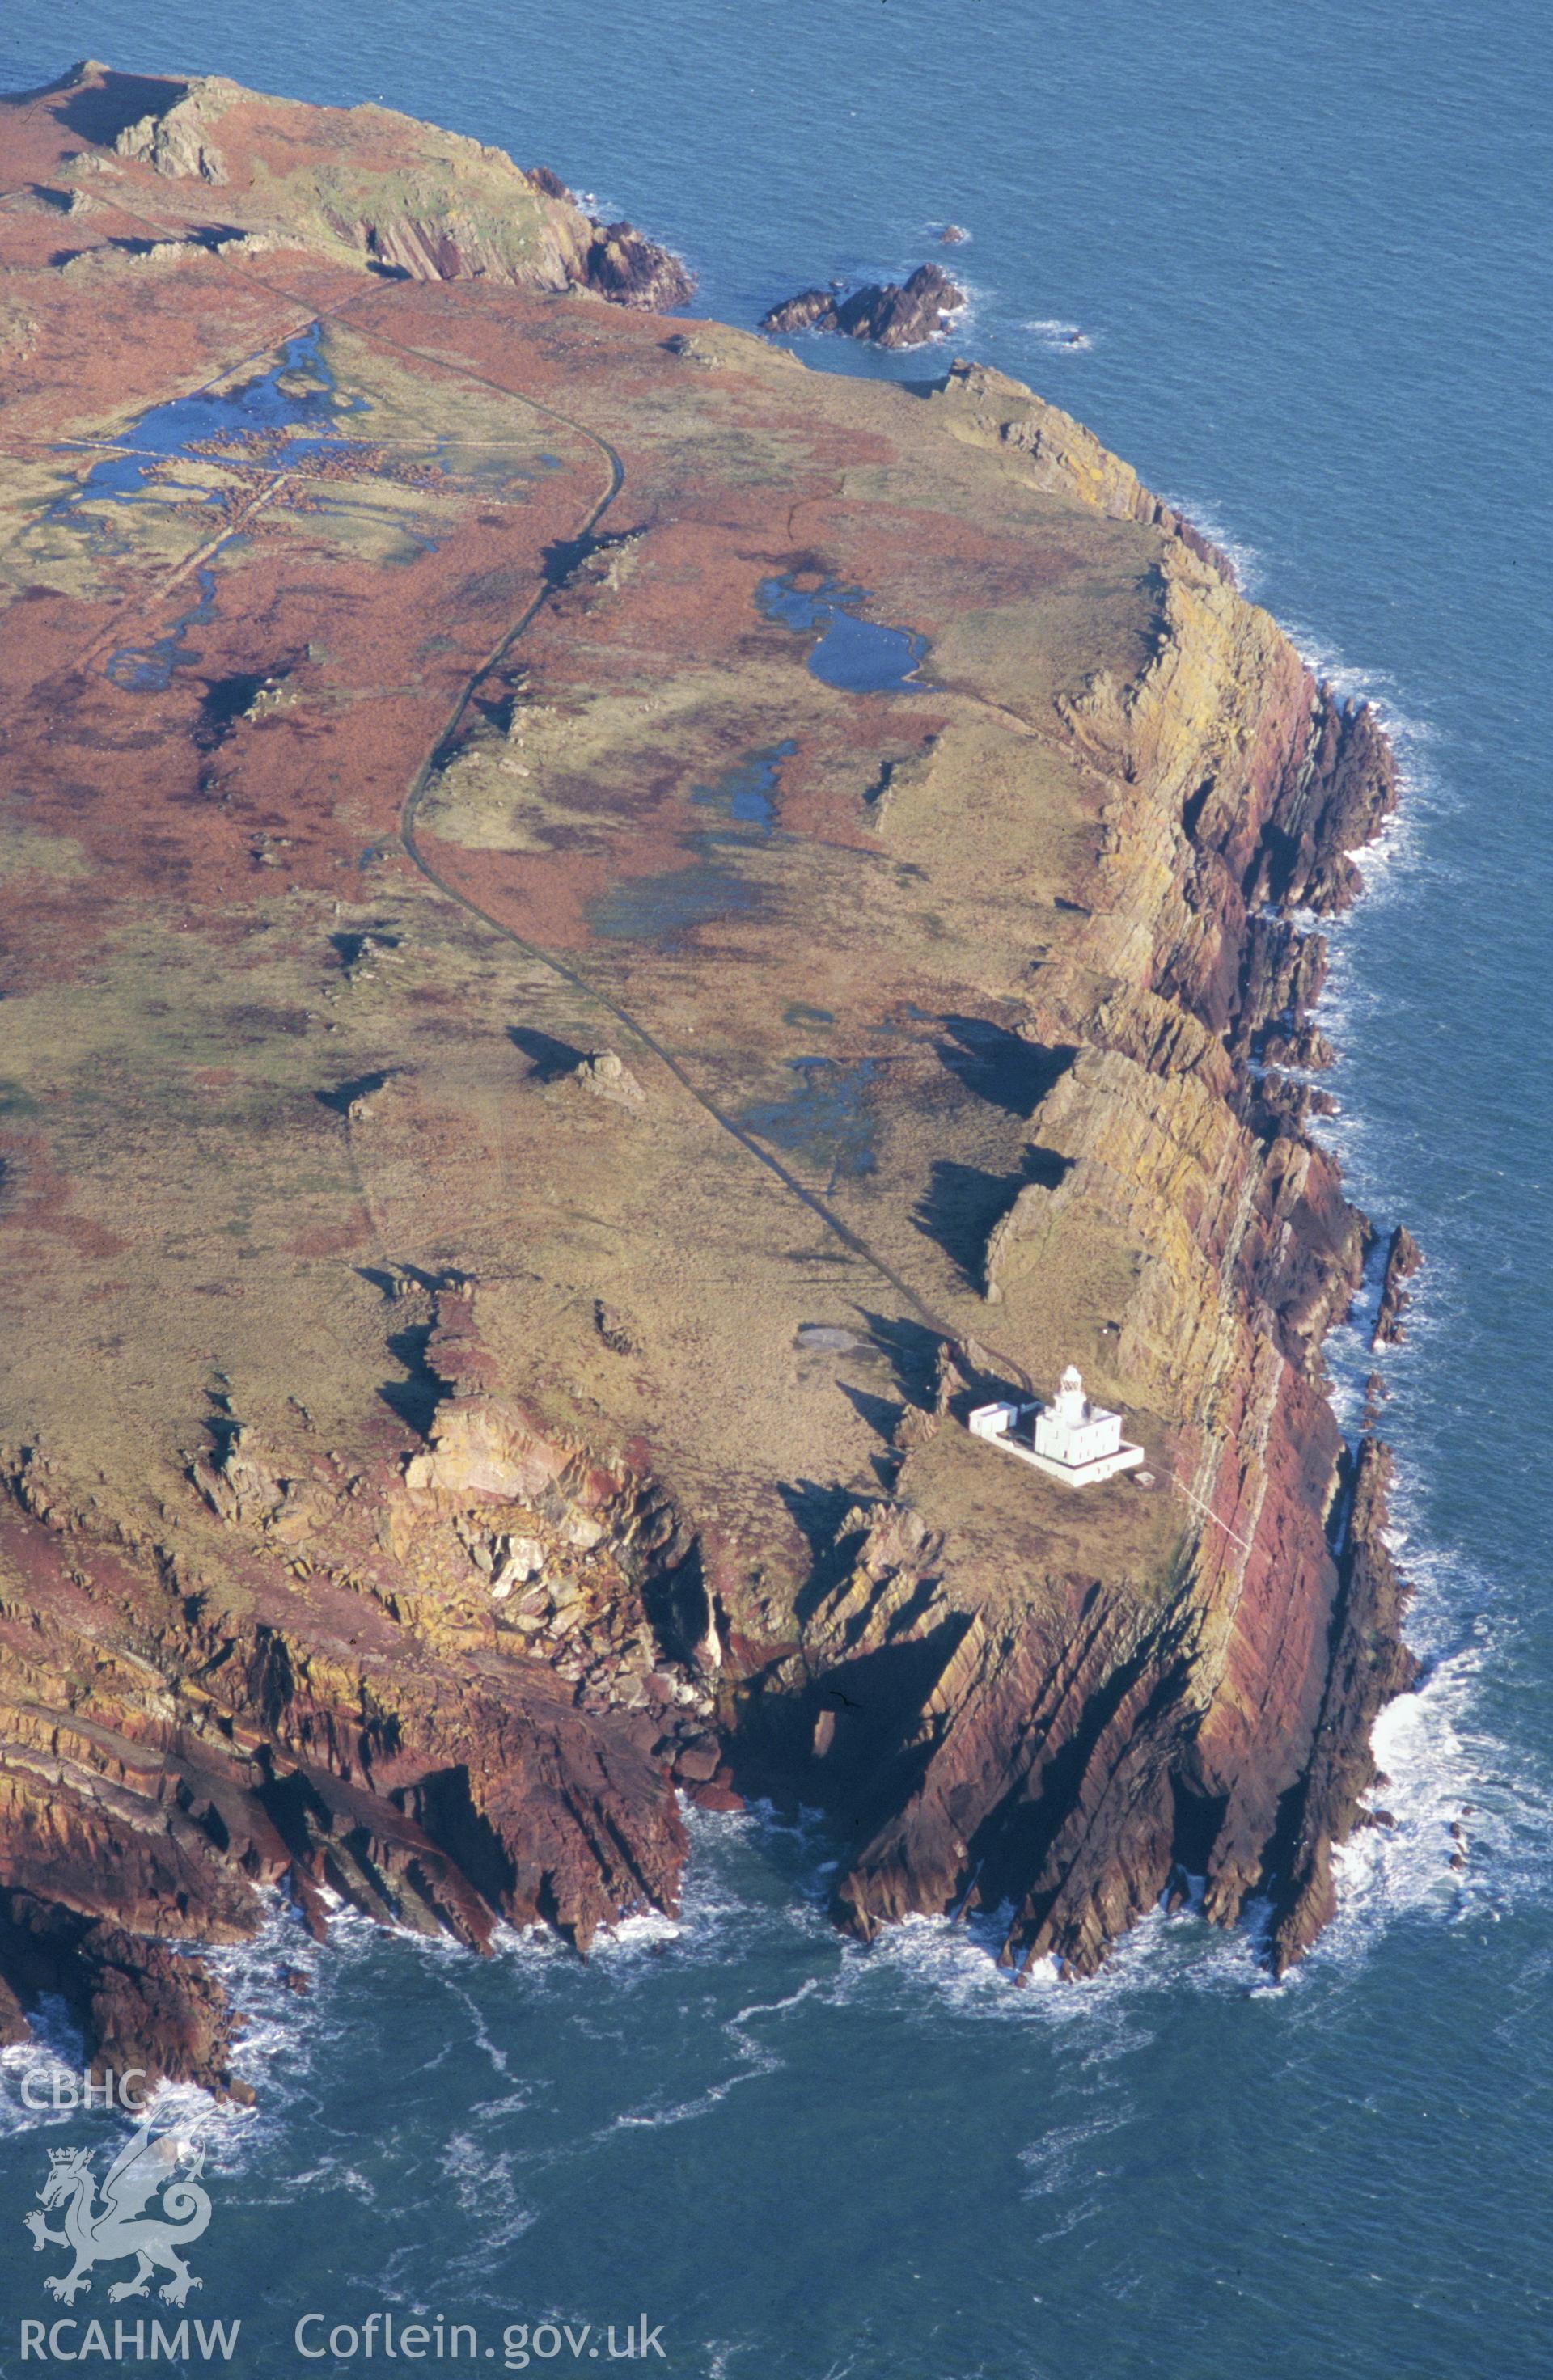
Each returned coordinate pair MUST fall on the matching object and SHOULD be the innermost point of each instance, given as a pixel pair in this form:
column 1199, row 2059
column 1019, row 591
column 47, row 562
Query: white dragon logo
column 102, row 2234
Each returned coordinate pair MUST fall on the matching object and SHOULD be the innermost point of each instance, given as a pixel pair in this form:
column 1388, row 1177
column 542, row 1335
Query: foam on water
column 1062, row 338
column 483, row 2184
column 1451, row 1790
column 1437, row 1756
column 1063, row 2165
column 1442, row 1766
column 52, row 2055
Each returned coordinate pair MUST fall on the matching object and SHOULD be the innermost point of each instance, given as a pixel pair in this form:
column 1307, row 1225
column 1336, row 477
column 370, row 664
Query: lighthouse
column 1072, row 1438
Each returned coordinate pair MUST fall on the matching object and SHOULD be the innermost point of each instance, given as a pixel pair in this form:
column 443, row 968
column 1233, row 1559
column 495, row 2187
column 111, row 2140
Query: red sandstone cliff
column 428, row 1686
column 1070, row 1758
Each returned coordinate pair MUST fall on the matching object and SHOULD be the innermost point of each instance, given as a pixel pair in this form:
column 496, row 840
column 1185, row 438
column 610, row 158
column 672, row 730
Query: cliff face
column 605, row 934
column 1075, row 1761
column 1051, row 451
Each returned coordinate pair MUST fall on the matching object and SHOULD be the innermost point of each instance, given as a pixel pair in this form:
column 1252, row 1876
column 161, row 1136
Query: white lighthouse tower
column 1069, row 1439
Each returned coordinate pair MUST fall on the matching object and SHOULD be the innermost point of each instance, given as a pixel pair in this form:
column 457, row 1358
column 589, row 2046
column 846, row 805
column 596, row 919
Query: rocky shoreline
column 363, row 1747
column 1079, row 1776
column 446, row 1649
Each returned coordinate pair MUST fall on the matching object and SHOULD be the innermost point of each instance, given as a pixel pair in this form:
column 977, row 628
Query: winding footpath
column 421, row 785
column 441, row 747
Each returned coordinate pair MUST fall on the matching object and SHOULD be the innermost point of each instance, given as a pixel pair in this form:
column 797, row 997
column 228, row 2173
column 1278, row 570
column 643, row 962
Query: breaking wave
column 1062, row 338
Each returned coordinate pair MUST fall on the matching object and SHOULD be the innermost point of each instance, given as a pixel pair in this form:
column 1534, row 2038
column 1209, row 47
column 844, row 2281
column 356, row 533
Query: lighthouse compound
column 1069, row 1439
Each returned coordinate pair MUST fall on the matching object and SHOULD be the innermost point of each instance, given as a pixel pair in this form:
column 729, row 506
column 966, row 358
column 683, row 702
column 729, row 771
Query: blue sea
column 1307, row 251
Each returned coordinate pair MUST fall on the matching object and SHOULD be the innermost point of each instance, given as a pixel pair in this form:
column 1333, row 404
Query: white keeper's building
column 1069, row 1439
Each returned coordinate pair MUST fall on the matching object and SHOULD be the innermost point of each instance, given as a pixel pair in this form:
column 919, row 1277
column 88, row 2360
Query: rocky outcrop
column 608, row 1077
column 613, row 261
column 141, row 2008
column 17, row 330
column 622, row 264
column 407, row 196
column 1403, row 1258
column 176, row 139
column 1057, row 455
column 887, row 314
column 93, row 263
column 444, row 1687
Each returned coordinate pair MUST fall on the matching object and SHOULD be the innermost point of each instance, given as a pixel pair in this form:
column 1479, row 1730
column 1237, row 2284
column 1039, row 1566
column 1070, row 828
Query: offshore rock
column 887, row 314
column 1403, row 1258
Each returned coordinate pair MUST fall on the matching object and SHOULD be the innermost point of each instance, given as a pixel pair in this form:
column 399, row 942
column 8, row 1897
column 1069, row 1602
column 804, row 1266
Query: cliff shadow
column 817, row 1509
column 444, row 1807
column 850, row 1741
column 1002, row 1067
column 415, row 1399
column 884, row 1415
column 548, row 1058
column 913, row 1351
column 99, row 112
column 964, row 1205
column 680, row 1606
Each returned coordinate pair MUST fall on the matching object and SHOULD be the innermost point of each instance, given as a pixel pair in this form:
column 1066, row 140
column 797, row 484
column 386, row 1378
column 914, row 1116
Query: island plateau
column 605, row 934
